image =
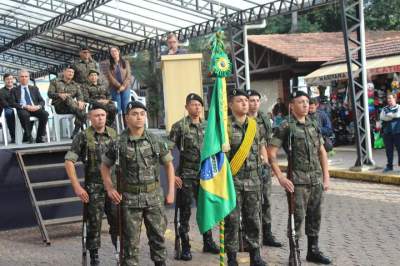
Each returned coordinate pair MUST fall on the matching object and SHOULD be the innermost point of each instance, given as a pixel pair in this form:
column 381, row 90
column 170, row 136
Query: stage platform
column 15, row 206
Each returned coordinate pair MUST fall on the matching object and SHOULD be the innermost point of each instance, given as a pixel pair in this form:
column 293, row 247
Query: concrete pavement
column 360, row 226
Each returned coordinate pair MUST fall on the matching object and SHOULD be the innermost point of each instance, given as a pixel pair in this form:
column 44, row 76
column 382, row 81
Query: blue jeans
column 10, row 121
column 122, row 99
column 391, row 141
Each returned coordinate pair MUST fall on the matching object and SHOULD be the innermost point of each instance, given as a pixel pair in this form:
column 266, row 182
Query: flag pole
column 222, row 243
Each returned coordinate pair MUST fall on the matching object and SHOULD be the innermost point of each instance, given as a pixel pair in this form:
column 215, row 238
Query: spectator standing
column 390, row 117
column 119, row 77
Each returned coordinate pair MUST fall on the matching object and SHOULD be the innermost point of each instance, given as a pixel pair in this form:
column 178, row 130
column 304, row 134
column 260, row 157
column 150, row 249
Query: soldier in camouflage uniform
column 187, row 134
column 265, row 127
column 85, row 64
column 96, row 92
column 309, row 164
column 139, row 153
column 247, row 183
column 67, row 98
column 89, row 146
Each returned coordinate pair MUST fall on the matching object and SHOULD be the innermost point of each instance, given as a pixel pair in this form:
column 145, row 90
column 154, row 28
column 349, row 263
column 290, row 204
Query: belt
column 139, row 188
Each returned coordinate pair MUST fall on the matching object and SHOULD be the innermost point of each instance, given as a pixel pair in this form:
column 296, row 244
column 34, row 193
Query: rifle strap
column 244, row 149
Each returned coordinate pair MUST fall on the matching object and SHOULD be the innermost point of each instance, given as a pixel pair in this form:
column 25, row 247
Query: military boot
column 232, row 261
column 186, row 253
column 94, row 257
column 209, row 245
column 159, row 263
column 268, row 238
column 313, row 252
column 291, row 257
column 255, row 258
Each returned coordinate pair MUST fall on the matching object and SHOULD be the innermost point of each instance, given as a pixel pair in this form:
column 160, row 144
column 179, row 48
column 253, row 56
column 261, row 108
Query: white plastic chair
column 19, row 129
column 58, row 118
column 4, row 127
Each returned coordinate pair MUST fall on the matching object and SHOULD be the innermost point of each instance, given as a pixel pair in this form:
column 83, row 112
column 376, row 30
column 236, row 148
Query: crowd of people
column 81, row 84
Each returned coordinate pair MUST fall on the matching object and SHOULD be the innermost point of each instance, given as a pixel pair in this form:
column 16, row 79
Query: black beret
column 253, row 93
column 236, row 92
column 133, row 105
column 84, row 48
column 194, row 96
column 297, row 94
column 93, row 71
column 95, row 106
column 69, row 66
column 314, row 100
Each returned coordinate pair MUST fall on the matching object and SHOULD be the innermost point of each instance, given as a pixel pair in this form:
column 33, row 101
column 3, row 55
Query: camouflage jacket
column 139, row 157
column 248, row 177
column 89, row 146
column 92, row 92
column 60, row 86
column 188, row 138
column 264, row 125
column 81, row 70
column 306, row 143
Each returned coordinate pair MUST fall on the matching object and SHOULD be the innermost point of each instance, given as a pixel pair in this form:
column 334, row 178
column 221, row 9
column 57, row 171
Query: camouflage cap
column 314, row 100
column 195, row 97
column 93, row 71
column 297, row 94
column 253, row 93
column 133, row 105
column 84, row 48
column 236, row 92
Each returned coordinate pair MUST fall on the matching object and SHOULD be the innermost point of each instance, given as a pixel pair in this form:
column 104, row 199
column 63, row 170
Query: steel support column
column 354, row 40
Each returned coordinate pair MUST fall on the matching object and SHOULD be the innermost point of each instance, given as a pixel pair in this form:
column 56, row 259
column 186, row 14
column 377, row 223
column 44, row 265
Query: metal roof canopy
column 44, row 35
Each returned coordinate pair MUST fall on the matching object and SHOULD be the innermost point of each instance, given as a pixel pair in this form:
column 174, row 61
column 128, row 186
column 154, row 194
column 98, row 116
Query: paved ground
column 360, row 227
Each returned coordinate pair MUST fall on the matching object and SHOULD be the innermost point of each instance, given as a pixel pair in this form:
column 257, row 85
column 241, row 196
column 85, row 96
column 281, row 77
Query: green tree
column 382, row 14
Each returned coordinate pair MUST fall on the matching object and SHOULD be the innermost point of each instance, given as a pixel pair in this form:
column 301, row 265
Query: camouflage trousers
column 148, row 208
column 308, row 204
column 98, row 204
column 70, row 106
column 266, row 187
column 248, row 203
column 187, row 193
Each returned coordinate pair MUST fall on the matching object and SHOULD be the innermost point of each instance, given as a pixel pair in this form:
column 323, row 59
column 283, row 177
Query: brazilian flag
column 217, row 196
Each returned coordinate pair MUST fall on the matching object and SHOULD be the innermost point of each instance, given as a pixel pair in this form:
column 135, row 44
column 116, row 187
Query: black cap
column 93, row 71
column 84, row 48
column 253, row 93
column 133, row 105
column 236, row 92
column 69, row 66
column 314, row 100
column 194, row 96
column 297, row 94
column 95, row 106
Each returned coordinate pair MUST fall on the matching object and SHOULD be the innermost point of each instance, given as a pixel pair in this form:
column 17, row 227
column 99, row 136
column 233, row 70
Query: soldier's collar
column 188, row 118
column 134, row 138
column 234, row 121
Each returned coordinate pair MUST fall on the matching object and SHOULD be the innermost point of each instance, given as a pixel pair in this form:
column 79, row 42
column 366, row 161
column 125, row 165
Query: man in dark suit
column 30, row 103
column 7, row 103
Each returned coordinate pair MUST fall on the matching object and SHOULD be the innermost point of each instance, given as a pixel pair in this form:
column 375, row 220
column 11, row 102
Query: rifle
column 84, row 235
column 178, row 247
column 294, row 257
column 177, row 224
column 242, row 245
column 119, row 246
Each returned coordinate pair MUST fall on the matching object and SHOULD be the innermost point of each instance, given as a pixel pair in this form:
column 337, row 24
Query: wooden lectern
column 182, row 74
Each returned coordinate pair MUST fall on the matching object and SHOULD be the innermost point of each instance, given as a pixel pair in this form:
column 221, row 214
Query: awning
column 377, row 66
